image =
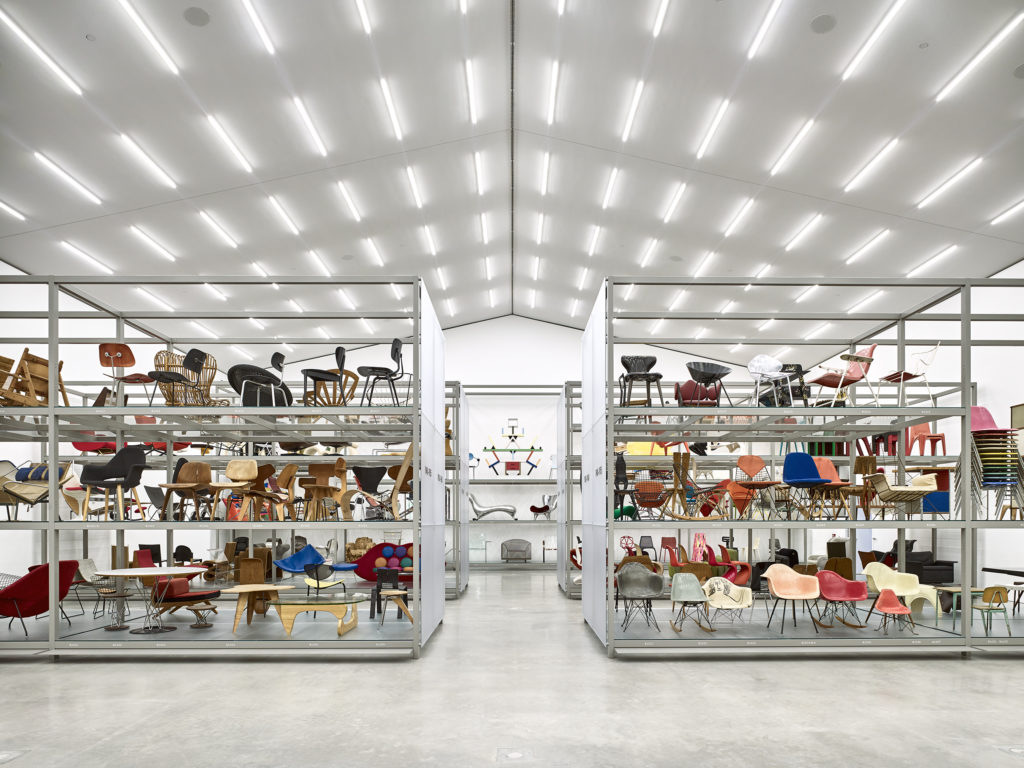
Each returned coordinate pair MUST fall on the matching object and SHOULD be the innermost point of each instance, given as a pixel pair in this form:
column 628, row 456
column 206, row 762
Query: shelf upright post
column 901, row 451
column 51, row 545
column 968, row 540
column 416, row 441
column 609, row 448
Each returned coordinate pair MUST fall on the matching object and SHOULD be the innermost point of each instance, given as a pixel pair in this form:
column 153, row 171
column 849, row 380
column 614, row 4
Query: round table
column 153, row 623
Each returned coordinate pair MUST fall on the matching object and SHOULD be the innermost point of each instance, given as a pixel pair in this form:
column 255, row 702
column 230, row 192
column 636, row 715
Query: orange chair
column 742, row 570
column 833, row 493
column 752, row 473
column 922, row 433
column 786, row 584
column 893, row 610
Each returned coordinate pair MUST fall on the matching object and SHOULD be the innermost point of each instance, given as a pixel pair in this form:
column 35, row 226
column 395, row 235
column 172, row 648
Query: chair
column 318, row 577
column 833, row 493
column 259, row 387
column 30, row 485
column 646, row 542
column 102, row 585
column 118, row 357
column 919, row 487
column 922, row 361
column 785, row 584
column 297, row 562
column 321, row 378
column 839, row 565
column 752, row 473
column 185, row 380
column 710, row 375
column 240, row 473
column 372, row 374
column 668, row 545
column 516, row 549
column 637, row 587
column 387, row 590
column 993, row 600
column 841, row 594
column 690, row 394
column 282, row 491
column 739, row 570
column 929, row 570
column 638, row 368
column 841, row 379
column 764, row 371
column 881, row 577
column 28, row 384
column 174, row 594
column 800, row 471
column 728, row 599
column 480, row 511
column 123, row 472
column 686, row 591
column 30, row 595
column 679, row 563
column 921, row 434
column 892, row 610
column 192, row 480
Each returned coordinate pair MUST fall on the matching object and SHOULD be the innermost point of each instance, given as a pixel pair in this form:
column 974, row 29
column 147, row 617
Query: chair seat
column 188, row 597
column 169, row 377
column 803, row 482
column 651, row 376
column 343, row 566
column 373, row 370
column 134, row 378
column 900, row 376
column 319, row 374
column 107, row 484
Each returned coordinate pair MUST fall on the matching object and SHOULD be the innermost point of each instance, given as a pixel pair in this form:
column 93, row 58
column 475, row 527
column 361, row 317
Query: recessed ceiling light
column 260, row 29
column 633, row 106
column 385, row 89
column 374, row 252
column 217, row 293
column 232, row 147
column 257, row 323
column 806, row 292
column 800, row 136
column 958, row 176
column 680, row 295
column 491, row 298
column 609, row 188
column 431, row 246
column 536, row 268
column 413, row 186
column 649, row 253
column 86, row 257
column 804, row 231
column 159, row 172
column 319, row 263
column 343, row 294
column 743, row 211
column 199, row 326
column 659, row 19
column 440, row 279
column 552, row 92
column 218, row 229
column 241, row 352
column 151, row 243
column 545, row 169
column 533, row 298
column 310, row 128
column 485, row 234
column 43, row 56
column 540, row 229
column 867, row 246
column 11, row 212
column 462, row 6
column 148, row 34
column 704, row 263
column 593, row 241
column 478, row 172
column 349, row 202
column 984, row 52
column 1009, row 212
column 583, row 279
column 363, row 17
column 763, row 29
column 715, row 122
column 871, row 164
column 283, row 214
column 487, row 269
column 68, row 178
column 471, row 90
column 561, row 7
column 873, row 38
column 674, row 202
column 155, row 299
column 865, row 301
column 818, row 331
column 396, row 291
column 928, row 264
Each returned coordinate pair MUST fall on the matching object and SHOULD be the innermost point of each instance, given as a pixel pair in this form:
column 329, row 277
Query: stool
column 396, row 596
column 1015, row 513
column 202, row 613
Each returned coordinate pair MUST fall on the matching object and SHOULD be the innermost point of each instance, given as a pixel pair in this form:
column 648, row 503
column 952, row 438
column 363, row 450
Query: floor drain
column 514, row 755
column 7, row 755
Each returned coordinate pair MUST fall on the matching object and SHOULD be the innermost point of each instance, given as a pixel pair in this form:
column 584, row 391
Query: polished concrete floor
column 514, row 671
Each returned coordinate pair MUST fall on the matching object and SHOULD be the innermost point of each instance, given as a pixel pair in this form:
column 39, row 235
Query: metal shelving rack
column 569, row 578
column 603, row 425
column 456, row 481
column 420, row 421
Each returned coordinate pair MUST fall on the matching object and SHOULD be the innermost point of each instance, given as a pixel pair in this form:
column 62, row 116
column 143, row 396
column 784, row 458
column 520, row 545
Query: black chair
column 258, row 386
column 646, row 542
column 154, row 551
column 710, row 374
column 638, row 368
column 329, row 377
column 156, row 497
column 123, row 472
column 387, row 578
column 787, row 556
column 183, row 554
column 368, row 480
column 193, row 362
column 621, row 486
column 372, row 374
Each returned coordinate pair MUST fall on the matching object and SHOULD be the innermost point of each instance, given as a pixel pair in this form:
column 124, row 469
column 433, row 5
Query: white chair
column 905, row 585
column 765, row 370
column 479, row 544
column 918, row 369
column 725, row 596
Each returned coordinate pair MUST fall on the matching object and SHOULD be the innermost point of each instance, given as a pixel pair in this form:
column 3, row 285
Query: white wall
column 512, row 350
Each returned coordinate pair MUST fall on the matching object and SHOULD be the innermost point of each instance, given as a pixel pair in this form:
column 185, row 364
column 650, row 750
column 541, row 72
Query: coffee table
column 249, row 595
column 153, row 624
column 336, row 604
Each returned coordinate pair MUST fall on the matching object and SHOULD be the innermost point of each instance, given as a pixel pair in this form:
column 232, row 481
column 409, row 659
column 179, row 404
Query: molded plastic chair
column 840, row 594
column 892, row 610
column 710, row 375
column 668, row 545
column 922, row 434
column 786, row 584
column 680, row 563
column 800, row 471
column 880, row 577
column 637, row 587
column 741, row 571
column 728, row 599
column 297, row 562
column 646, row 542
column 115, row 355
column 686, row 591
column 372, row 374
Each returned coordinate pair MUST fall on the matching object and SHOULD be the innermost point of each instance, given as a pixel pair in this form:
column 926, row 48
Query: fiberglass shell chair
column 785, row 584
column 893, row 611
column 374, row 373
column 710, row 375
column 841, row 597
column 727, row 599
column 799, row 471
column 638, row 586
column 297, row 562
column 881, row 577
column 686, row 591
column 840, row 379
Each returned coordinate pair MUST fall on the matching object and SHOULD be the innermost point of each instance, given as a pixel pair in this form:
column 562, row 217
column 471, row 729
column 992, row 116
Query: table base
column 290, row 611
column 151, row 630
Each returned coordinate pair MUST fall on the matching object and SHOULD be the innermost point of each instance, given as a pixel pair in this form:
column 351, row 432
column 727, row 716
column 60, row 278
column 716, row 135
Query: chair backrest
column 638, row 363
column 277, row 361
column 635, row 580
column 182, row 554
column 668, row 542
column 888, row 602
column 118, row 466
column 826, row 469
column 7, row 470
column 241, row 470
column 840, row 565
column 142, row 558
column 856, row 371
column 368, row 478
column 799, row 466
column 866, row 557
column 836, row 546
column 339, row 358
column 763, row 365
column 318, row 571
column 924, row 359
column 286, row 478
column 198, row 472
column 751, row 465
column 880, row 483
column 387, row 578
column 981, row 419
column 193, row 361
column 686, row 588
column 250, row 570
column 995, row 596
column 865, row 465
column 114, row 355
column 396, row 355
column 178, row 395
column 87, row 569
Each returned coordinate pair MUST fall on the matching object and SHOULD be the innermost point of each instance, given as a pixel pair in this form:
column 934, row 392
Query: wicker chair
column 198, row 394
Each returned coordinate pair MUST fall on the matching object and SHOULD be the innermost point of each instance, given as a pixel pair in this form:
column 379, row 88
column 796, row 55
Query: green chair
column 686, row 591
column 993, row 600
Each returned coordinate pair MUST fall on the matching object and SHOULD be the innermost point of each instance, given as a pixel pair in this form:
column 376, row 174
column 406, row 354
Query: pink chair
column 741, row 570
column 922, row 433
column 893, row 610
column 982, row 421
column 856, row 370
column 786, row 584
column 843, row 595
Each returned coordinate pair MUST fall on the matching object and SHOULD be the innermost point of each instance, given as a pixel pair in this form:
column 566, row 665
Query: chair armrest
column 850, row 357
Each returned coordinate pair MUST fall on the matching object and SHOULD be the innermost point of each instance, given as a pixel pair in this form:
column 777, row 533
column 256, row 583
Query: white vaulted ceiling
column 323, row 56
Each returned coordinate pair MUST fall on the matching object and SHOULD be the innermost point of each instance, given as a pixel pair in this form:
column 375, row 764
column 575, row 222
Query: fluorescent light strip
column 533, row 298
column 450, row 307
column 735, row 348
column 219, row 130
column 1008, row 213
column 950, row 182
column 260, row 29
column 152, row 243
column 349, row 202
column 462, row 7
column 68, row 178
column 743, row 211
column 763, row 29
column 488, row 275
column 148, row 162
column 239, row 351
column 148, row 34
column 536, row 268
column 561, row 7
column 257, row 323
column 646, row 258
column 631, row 114
column 800, row 136
column 263, row 273
column 396, row 291
column 374, row 252
column 758, row 275
column 392, row 114
column 440, row 279
column 478, row 172
column 766, row 324
column 64, row 76
column 86, row 257
column 806, row 292
column 310, row 128
column 680, row 295
column 659, row 19
column 984, row 52
column 552, row 92
column 319, row 262
column 630, row 290
column 484, row 233
column 283, row 214
column 540, row 229
column 609, row 188
column 575, row 307
column 818, row 331
column 215, row 291
column 202, row 328
column 11, row 212
column 295, row 306
column 583, row 279
column 674, row 202
column 727, row 307
column 712, row 128
column 471, row 90
column 701, row 332
column 347, row 299
column 218, row 229
column 491, row 299
column 593, row 241
column 155, row 299
column 867, row 246
column 322, row 332
column 703, row 263
column 545, row 169
column 780, row 352
column 865, row 301
column 872, row 39
column 413, row 186
column 815, row 220
column 863, row 172
column 431, row 246
column 931, row 262
column 363, row 17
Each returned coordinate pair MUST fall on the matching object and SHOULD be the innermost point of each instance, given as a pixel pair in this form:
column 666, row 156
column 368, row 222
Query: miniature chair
column 841, row 380
column 638, row 368
column 686, row 591
column 372, row 374
column 113, row 355
column 710, row 375
column 638, row 586
column 892, row 610
column 321, row 378
column 787, row 585
column 728, row 599
column 123, row 472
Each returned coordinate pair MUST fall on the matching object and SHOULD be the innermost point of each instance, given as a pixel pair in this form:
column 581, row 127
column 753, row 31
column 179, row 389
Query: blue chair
column 297, row 563
column 800, row 471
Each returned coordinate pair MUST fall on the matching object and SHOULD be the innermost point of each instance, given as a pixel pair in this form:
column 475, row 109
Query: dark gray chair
column 638, row 586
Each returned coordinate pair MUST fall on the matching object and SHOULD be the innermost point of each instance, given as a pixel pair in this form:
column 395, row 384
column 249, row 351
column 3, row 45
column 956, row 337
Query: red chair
column 892, row 610
column 690, row 394
column 922, row 433
column 114, row 355
column 668, row 544
column 628, row 545
column 856, row 370
column 731, row 569
column 30, row 595
column 840, row 594
column 743, row 570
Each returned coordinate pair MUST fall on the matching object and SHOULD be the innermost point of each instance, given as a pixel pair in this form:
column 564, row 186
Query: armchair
column 516, row 549
column 259, row 387
column 840, row 594
column 726, row 597
column 785, row 584
column 30, row 595
column 904, row 585
column 929, row 570
column 686, row 590
column 841, row 379
column 123, row 472
column 638, row 586
column 185, row 380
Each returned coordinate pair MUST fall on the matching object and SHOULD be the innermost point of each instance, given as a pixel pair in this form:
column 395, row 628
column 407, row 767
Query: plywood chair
column 319, row 490
column 28, row 384
column 192, row 481
column 240, row 473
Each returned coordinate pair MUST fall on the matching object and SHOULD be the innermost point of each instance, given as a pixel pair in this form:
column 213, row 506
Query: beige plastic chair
column 723, row 595
column 905, row 585
column 784, row 583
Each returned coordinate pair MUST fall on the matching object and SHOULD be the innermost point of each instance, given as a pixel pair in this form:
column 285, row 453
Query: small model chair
column 372, row 374
column 993, row 600
column 122, row 473
column 785, row 584
column 259, row 387
column 119, row 356
column 893, row 611
column 321, row 378
column 922, row 361
column 728, row 599
column 686, row 591
column 856, row 371
column 638, row 368
column 638, row 586
column 710, row 375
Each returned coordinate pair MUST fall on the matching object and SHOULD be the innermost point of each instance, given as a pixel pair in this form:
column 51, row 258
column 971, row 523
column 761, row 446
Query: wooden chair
column 993, row 600
column 282, row 491
column 329, row 394
column 28, row 382
column 198, row 393
column 193, row 481
column 240, row 474
column 318, row 488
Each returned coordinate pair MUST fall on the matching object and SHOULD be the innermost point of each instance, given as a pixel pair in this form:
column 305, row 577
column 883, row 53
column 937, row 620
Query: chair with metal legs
column 372, row 374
